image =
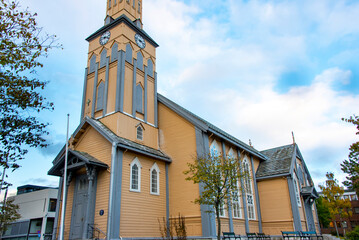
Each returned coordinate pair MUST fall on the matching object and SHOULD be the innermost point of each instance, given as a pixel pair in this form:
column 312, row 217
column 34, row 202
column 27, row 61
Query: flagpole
column 61, row 237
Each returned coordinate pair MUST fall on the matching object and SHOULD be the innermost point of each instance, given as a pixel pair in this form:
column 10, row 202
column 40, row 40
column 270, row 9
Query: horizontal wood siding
column 125, row 126
column 275, row 204
column 178, row 140
column 142, row 211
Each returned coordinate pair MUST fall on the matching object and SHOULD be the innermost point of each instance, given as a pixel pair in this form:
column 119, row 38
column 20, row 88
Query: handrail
column 93, row 229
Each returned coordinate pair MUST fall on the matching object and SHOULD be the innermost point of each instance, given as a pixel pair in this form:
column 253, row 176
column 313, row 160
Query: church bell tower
column 120, row 84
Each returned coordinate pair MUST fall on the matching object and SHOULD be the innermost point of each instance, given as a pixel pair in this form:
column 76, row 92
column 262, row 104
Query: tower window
column 135, row 175
column 128, row 1
column 139, row 131
column 134, row 3
column 129, row 53
column 109, row 3
column 139, row 98
column 100, row 98
column 139, row 6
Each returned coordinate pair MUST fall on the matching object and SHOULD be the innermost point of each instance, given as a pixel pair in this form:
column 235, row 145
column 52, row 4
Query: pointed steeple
column 131, row 8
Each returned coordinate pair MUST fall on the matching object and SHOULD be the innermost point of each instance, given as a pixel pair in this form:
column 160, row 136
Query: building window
column 237, row 213
column 216, row 152
column 356, row 210
column 52, row 205
column 139, row 134
column 354, row 197
column 155, row 179
column 128, row 1
column 139, row 6
column 214, row 149
column 249, row 189
column 135, row 175
column 297, row 195
column 109, row 3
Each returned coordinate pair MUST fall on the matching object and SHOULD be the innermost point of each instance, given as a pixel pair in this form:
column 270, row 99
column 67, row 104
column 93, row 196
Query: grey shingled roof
column 125, row 143
column 205, row 125
column 85, row 157
column 280, row 160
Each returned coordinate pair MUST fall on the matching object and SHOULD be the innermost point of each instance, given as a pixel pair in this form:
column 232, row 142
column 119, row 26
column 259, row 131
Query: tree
column 9, row 214
column 22, row 44
column 323, row 212
column 351, row 166
column 219, row 177
column 333, row 199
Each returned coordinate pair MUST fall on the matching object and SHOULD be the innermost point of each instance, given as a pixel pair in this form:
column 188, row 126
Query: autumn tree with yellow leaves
column 333, row 198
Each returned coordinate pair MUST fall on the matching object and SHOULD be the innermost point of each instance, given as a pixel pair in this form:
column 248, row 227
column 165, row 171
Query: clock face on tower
column 140, row 41
column 105, row 37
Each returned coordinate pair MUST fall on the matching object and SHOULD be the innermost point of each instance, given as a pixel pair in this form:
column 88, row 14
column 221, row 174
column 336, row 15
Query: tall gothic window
column 155, row 183
column 249, row 189
column 215, row 151
column 135, row 175
column 100, row 96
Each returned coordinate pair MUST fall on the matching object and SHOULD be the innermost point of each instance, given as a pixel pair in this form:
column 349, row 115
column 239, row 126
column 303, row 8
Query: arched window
column 92, row 63
column 150, row 67
column 100, row 98
column 214, row 149
column 139, row 132
column 155, row 179
column 129, row 53
column 103, row 58
column 248, row 189
column 139, row 60
column 139, row 98
column 135, row 175
column 114, row 53
column 297, row 194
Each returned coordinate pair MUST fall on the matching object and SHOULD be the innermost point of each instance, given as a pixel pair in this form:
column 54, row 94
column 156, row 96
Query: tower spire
column 131, row 8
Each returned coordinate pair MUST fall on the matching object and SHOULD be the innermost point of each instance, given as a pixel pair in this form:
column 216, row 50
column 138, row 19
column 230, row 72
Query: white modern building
column 37, row 209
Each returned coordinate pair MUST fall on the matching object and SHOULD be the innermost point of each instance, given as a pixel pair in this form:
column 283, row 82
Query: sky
column 257, row 69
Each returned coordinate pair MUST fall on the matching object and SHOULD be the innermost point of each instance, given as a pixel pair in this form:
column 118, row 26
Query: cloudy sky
column 257, row 69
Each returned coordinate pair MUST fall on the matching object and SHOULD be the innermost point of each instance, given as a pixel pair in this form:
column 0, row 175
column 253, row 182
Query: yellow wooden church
column 126, row 158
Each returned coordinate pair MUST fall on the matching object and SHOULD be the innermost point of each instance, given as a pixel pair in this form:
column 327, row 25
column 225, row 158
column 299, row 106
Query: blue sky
column 257, row 69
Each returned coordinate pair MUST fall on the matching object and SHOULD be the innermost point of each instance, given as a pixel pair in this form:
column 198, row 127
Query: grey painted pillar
column 167, row 201
column 207, row 215
column 56, row 221
column 134, row 88
column 229, row 203
column 94, row 91
column 105, row 99
column 257, row 197
column 156, row 103
column 120, row 81
column 145, row 94
column 43, row 228
column 114, row 205
column 83, row 106
column 90, row 176
column 294, row 204
column 244, row 200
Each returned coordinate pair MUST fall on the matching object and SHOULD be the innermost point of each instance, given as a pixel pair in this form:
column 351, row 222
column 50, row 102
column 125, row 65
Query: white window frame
column 157, row 169
column 139, row 166
column 137, row 131
column 249, row 190
column 237, row 213
column 214, row 149
column 297, row 192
